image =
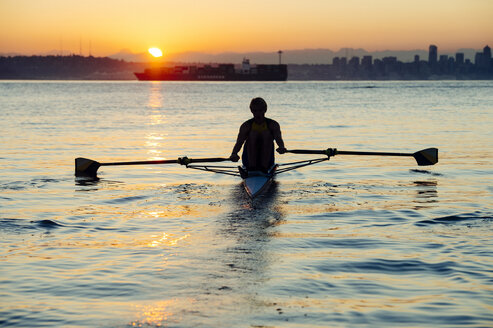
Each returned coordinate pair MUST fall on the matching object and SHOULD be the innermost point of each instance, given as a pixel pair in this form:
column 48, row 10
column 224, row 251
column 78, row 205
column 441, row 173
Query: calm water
column 353, row 242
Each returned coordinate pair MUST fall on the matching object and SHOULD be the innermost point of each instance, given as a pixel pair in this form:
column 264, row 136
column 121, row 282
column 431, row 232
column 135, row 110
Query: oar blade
column 428, row 156
column 85, row 167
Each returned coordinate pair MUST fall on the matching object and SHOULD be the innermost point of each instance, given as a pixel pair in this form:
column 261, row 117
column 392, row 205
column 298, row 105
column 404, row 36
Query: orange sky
column 108, row 26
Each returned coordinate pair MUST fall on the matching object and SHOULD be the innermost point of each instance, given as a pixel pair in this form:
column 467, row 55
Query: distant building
column 450, row 65
column 390, row 64
column 366, row 62
column 443, row 64
column 487, row 53
column 390, row 60
column 354, row 62
column 459, row 58
column 378, row 65
column 432, row 55
column 478, row 59
column 486, row 63
column 339, row 62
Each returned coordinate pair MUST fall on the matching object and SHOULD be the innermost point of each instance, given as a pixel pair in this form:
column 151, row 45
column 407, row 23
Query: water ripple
column 453, row 219
column 386, row 266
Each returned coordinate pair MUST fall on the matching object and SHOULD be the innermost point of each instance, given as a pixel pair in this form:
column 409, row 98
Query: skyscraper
column 459, row 58
column 488, row 63
column 432, row 55
column 483, row 59
column 478, row 59
column 366, row 62
column 487, row 53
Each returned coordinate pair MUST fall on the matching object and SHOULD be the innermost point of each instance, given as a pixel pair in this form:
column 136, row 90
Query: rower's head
column 258, row 107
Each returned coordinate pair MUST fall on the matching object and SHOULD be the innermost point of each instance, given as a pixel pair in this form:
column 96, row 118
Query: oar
column 88, row 168
column 427, row 156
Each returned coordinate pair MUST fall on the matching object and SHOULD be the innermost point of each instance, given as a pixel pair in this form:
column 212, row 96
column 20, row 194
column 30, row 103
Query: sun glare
column 156, row 52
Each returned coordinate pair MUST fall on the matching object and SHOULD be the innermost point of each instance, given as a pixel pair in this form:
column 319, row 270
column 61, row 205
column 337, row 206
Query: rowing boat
column 255, row 182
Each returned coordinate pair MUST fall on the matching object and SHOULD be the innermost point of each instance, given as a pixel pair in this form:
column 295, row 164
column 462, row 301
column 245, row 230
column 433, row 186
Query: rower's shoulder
column 247, row 122
column 246, row 125
column 272, row 123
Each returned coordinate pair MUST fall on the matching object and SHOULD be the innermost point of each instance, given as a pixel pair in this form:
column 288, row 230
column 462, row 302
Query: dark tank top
column 259, row 128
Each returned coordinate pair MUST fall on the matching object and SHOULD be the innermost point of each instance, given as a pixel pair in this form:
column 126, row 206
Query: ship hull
column 261, row 73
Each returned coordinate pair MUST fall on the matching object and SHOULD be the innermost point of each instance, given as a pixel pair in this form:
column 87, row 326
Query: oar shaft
column 427, row 156
column 182, row 160
column 344, row 152
column 87, row 167
column 208, row 160
column 371, row 153
column 171, row 161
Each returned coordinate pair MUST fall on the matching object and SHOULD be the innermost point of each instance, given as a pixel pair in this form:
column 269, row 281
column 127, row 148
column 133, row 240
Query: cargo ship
column 219, row 72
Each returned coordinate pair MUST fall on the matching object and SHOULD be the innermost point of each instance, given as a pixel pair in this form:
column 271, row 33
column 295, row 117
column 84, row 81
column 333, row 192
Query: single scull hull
column 256, row 181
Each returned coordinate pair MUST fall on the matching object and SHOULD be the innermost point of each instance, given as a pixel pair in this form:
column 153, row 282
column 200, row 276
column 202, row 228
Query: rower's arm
column 240, row 140
column 276, row 133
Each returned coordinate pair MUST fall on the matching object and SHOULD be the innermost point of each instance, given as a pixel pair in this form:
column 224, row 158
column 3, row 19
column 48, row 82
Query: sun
column 156, row 52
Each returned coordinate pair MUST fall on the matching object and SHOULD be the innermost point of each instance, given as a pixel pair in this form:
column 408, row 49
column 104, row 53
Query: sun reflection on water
column 166, row 239
column 156, row 95
column 154, row 315
column 157, row 117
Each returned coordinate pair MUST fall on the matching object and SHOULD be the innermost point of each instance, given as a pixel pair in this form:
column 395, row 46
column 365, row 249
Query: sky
column 105, row 27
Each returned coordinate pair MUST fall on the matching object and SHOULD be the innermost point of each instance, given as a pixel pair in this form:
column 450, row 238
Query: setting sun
column 156, row 52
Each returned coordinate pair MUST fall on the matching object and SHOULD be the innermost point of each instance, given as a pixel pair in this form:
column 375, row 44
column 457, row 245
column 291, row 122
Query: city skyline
column 105, row 28
column 435, row 66
column 295, row 56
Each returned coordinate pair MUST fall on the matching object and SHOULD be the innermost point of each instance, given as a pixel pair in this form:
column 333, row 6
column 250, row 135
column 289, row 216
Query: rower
column 257, row 137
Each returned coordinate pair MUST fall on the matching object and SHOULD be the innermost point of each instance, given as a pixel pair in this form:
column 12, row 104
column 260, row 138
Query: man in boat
column 257, row 137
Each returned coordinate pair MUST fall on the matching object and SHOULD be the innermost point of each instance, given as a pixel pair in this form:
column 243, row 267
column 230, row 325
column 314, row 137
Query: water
column 353, row 242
